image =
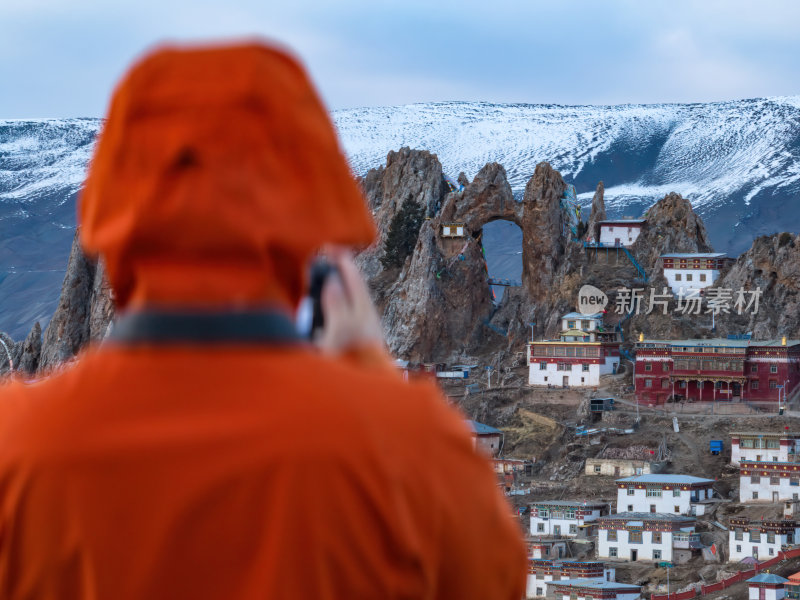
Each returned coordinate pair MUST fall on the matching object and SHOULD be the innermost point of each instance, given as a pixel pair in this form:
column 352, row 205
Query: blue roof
column 596, row 584
column 481, row 429
column 577, row 315
column 676, row 479
column 767, row 578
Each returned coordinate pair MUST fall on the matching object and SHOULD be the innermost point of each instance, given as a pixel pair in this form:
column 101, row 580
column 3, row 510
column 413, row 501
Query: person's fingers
column 334, row 298
column 354, row 285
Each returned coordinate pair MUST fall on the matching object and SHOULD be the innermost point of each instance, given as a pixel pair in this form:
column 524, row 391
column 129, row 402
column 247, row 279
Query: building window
column 573, row 529
column 648, row 383
column 755, row 479
column 677, row 276
column 771, row 551
column 539, row 592
column 754, row 368
column 570, row 324
column 738, row 547
column 755, row 495
column 676, row 493
column 737, row 534
column 773, row 384
column 585, row 325
column 656, row 554
column 753, row 386
column 564, row 367
column 540, row 527
column 635, row 537
column 774, row 444
column 688, row 277
column 773, row 368
column 597, row 468
column 648, row 366
column 702, row 276
column 774, row 481
column 585, row 368
column 631, row 491
column 665, row 366
column 770, row 537
column 755, row 536
column 794, row 481
column 664, row 383
column 612, row 552
column 612, row 535
column 656, row 537
column 543, row 366
column 653, row 492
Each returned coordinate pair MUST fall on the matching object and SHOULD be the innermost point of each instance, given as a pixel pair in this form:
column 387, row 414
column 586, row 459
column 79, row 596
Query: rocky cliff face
column 409, row 175
column 773, row 265
column 597, row 214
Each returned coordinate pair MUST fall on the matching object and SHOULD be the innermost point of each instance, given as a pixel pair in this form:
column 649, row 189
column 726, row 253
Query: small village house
column 548, row 547
column 616, row 467
column 485, row 438
column 792, row 587
column 766, row 586
column 647, row 537
column 664, row 493
column 620, row 232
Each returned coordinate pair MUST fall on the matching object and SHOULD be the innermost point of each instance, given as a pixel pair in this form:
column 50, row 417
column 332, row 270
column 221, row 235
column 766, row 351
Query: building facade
column 647, row 537
column 486, row 439
column 690, row 273
column 584, row 351
column 766, row 586
column 672, row 494
column 769, row 481
column 621, row 232
column 591, row 589
column 758, row 446
column 543, row 572
column 716, row 370
column 616, row 467
column 761, row 540
column 565, row 518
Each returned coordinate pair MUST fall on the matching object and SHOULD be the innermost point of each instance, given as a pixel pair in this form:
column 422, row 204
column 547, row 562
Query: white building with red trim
column 541, row 573
column 760, row 539
column 585, row 350
column 764, row 446
column 565, row 517
column 689, row 273
column 647, row 537
column 769, row 481
column 664, row 493
column 766, row 586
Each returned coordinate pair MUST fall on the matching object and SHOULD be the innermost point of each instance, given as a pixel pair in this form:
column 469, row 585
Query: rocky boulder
column 597, row 214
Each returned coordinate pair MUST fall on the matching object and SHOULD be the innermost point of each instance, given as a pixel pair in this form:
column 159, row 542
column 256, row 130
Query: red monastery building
column 716, row 369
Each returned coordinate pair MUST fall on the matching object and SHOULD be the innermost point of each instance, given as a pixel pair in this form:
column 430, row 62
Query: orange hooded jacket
column 235, row 469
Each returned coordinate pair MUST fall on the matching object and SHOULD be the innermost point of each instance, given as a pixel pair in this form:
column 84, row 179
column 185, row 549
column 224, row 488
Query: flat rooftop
column 568, row 503
column 596, row 584
column 654, row 478
column 723, row 343
column 697, row 255
column 634, row 517
column 577, row 315
column 623, row 221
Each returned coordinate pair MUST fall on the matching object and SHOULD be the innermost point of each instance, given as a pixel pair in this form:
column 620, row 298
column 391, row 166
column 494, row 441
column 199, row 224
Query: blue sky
column 61, row 58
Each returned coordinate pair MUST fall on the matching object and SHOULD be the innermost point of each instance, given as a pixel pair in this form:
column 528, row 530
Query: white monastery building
column 584, row 351
column 764, row 447
column 565, row 518
column 543, row 572
column 689, row 273
column 761, row 540
column 620, row 232
column 647, row 537
column 672, row 494
column 768, row 481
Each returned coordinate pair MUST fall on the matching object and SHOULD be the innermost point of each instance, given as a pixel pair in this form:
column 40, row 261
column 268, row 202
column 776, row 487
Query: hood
column 217, row 175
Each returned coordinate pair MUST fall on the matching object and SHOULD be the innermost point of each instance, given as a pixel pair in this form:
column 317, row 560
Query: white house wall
column 644, row 549
column 689, row 286
column 626, row 234
column 745, row 547
column 639, row 501
column 552, row 376
column 765, row 489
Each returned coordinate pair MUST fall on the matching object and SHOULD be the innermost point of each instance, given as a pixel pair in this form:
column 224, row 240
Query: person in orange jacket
column 203, row 450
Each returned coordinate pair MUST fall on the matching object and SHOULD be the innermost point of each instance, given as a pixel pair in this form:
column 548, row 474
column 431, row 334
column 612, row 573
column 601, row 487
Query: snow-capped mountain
column 738, row 162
